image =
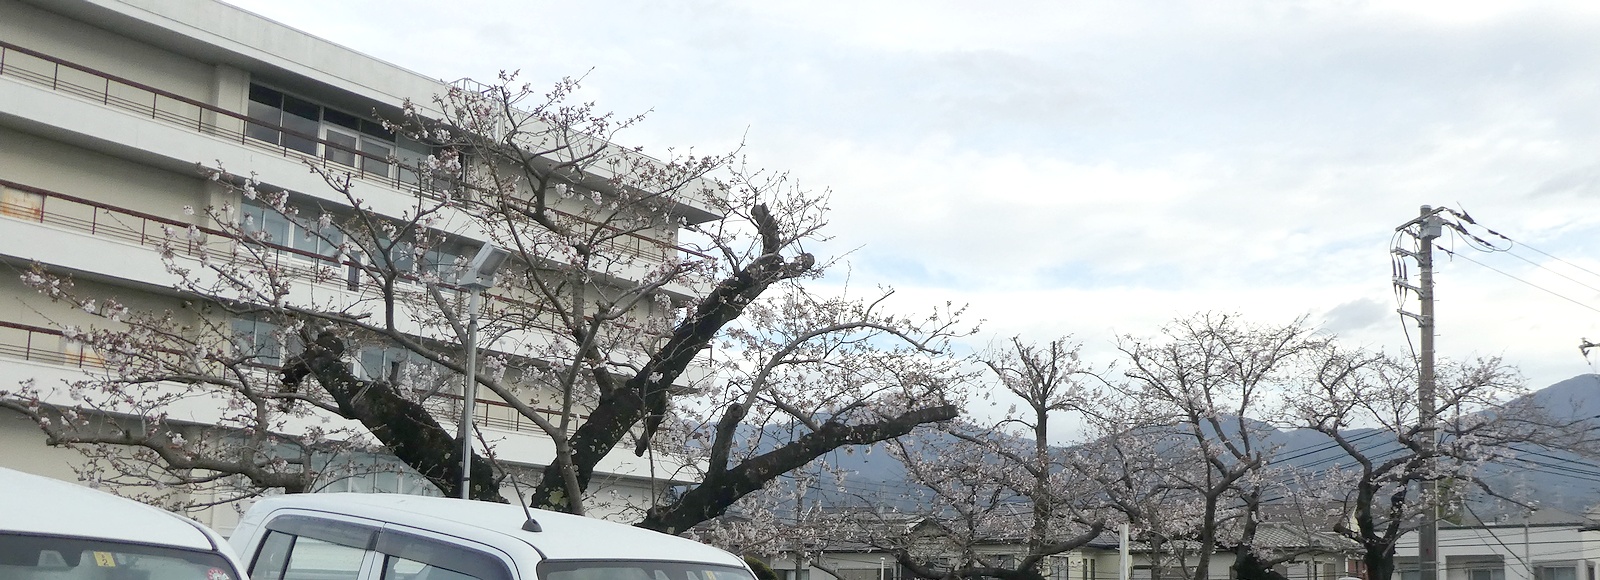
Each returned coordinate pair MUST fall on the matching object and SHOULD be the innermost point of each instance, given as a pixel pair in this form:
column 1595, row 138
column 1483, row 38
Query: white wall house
column 1550, row 545
column 106, row 108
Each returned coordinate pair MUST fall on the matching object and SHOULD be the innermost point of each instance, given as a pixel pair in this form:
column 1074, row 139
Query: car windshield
column 637, row 570
column 29, row 557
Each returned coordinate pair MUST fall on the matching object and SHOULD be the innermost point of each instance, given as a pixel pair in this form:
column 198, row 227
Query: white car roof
column 33, row 504
column 562, row 536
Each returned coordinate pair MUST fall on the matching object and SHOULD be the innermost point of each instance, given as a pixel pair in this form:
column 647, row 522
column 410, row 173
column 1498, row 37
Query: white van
column 56, row 530
column 355, row 536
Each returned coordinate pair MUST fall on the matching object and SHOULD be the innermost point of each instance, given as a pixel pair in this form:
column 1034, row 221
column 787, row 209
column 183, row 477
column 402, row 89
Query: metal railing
column 492, row 413
column 45, row 345
column 135, row 227
column 49, row 346
column 146, row 101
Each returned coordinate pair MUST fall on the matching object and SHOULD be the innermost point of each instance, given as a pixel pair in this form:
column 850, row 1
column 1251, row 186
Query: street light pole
column 478, row 277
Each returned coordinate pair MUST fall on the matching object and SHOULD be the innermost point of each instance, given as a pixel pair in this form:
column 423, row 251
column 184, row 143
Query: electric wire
column 1513, row 277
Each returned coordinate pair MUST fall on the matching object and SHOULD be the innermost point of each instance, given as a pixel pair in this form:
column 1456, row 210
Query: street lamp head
column 480, row 271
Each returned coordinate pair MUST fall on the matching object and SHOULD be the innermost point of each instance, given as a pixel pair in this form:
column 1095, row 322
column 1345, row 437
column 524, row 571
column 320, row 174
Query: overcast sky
column 1098, row 168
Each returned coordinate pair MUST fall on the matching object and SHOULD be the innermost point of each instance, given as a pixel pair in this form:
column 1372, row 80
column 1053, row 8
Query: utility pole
column 1429, row 226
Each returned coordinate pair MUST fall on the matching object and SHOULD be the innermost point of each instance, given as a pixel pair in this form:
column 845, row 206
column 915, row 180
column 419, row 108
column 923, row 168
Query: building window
column 304, row 122
column 1488, row 574
column 257, row 341
column 380, row 364
column 364, row 473
column 300, row 118
column 1554, row 573
column 350, row 134
column 301, row 233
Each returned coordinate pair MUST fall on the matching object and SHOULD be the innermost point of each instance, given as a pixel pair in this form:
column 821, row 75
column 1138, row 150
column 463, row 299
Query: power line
column 1508, row 275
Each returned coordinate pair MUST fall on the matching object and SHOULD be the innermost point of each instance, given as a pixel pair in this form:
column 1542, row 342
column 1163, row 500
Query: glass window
column 302, row 124
column 413, row 160
column 257, row 339
column 1555, row 573
column 378, row 363
column 313, row 558
column 377, row 161
column 646, row 570
column 401, row 255
column 273, row 109
column 442, row 260
column 413, row 557
column 324, row 242
column 267, row 225
column 272, row 555
column 1487, row 574
column 26, row 557
column 266, row 105
column 342, row 147
column 397, row 568
column 342, row 119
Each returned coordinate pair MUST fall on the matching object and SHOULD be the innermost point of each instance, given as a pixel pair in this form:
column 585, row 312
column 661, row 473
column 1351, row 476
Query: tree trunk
column 644, row 397
column 1249, row 567
column 1379, row 561
column 404, row 426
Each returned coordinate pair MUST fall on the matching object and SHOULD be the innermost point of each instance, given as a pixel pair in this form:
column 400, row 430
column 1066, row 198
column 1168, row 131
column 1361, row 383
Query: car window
column 413, row 557
column 313, row 559
column 29, row 557
column 637, row 570
column 397, row 568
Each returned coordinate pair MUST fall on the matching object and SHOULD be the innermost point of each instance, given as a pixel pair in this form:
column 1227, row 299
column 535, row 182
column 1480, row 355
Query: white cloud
column 1094, row 166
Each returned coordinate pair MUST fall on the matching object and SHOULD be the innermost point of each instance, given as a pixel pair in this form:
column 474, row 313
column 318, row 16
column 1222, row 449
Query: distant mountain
column 1555, row 478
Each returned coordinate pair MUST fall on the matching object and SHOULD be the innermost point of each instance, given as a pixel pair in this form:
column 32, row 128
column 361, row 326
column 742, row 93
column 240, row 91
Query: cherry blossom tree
column 1009, row 482
column 625, row 271
column 1202, row 383
column 1367, row 405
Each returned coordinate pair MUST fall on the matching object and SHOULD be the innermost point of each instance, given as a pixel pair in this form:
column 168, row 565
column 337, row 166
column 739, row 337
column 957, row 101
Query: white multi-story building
column 107, row 107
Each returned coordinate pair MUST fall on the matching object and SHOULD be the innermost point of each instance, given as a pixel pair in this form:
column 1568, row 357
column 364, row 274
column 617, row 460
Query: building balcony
column 337, row 156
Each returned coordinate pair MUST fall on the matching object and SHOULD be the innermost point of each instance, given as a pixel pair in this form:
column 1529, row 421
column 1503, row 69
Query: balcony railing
column 44, row 345
column 49, row 346
column 146, row 101
column 135, row 227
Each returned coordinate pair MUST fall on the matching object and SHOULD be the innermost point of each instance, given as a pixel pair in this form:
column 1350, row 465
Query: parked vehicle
column 353, row 536
column 57, row 530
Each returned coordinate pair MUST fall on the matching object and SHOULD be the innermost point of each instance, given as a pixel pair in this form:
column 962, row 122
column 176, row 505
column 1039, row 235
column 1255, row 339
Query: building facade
column 1546, row 545
column 115, row 117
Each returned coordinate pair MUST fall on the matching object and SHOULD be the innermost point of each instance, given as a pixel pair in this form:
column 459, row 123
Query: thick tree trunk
column 405, row 427
column 1379, row 561
column 644, row 397
column 1247, row 566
